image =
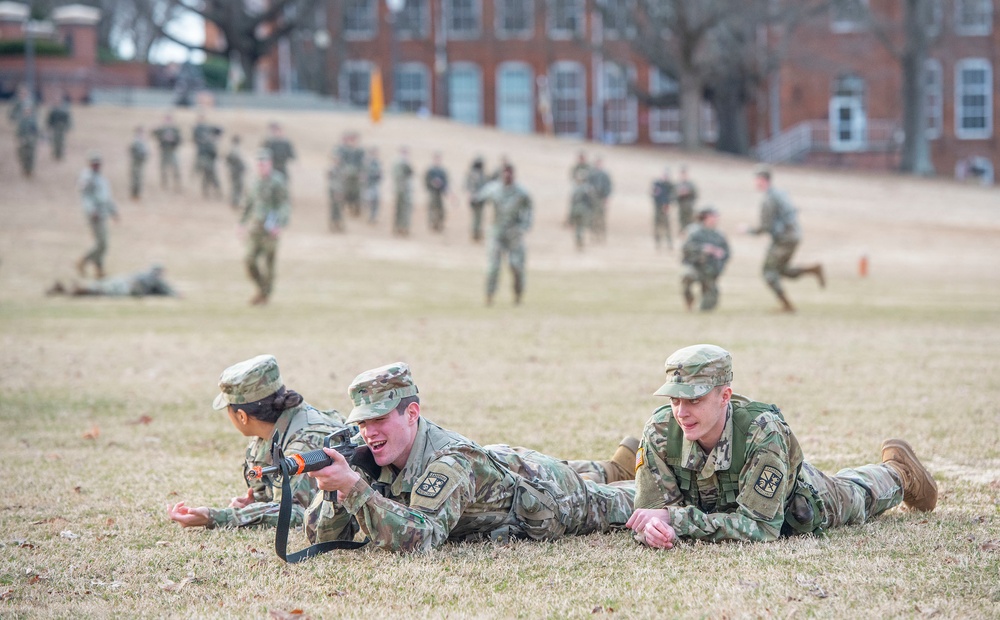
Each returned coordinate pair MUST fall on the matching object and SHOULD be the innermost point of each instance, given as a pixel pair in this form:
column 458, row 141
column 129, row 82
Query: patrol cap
column 706, row 211
column 263, row 154
column 248, row 382
column 94, row 157
column 693, row 371
column 378, row 391
column 762, row 170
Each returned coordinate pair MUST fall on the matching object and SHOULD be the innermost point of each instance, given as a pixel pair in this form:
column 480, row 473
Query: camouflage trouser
column 235, row 190
column 579, row 219
column 598, row 219
column 210, row 181
column 169, row 166
column 477, row 219
column 661, row 226
column 404, row 209
column 709, row 286
column 685, row 213
column 58, row 144
column 111, row 287
column 435, row 212
column 514, row 248
column 135, row 180
column 99, row 227
column 26, row 155
column 776, row 264
column 371, row 201
column 260, row 260
column 336, row 211
column 352, row 193
column 857, row 495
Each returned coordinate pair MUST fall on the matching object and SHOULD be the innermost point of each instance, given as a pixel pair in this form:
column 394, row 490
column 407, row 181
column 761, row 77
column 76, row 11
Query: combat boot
column 621, row 467
column 817, row 270
column 786, row 306
column 56, row 289
column 919, row 488
column 81, row 267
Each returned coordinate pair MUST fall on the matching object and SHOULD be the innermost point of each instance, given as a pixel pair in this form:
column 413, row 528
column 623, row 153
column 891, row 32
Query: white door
column 848, row 129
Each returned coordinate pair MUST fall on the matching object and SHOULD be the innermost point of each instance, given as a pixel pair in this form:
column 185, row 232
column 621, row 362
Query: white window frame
column 986, row 90
column 983, row 27
column 424, row 14
column 561, row 33
column 415, row 67
column 362, row 35
column 841, row 25
column 708, row 123
column 935, row 19
column 355, row 66
column 630, row 105
column 629, row 31
column 659, row 118
column 934, row 98
column 581, row 120
column 465, row 35
column 452, row 91
column 503, row 68
column 499, row 12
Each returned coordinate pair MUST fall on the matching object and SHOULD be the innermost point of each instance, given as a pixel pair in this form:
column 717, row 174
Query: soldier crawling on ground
column 139, row 284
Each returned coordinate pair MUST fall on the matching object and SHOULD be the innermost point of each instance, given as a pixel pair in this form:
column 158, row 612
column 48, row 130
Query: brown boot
column 817, row 270
column 919, row 488
column 786, row 306
column 56, row 289
column 621, row 467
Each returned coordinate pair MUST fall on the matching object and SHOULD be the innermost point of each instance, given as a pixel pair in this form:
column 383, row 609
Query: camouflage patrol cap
column 693, row 371
column 94, row 157
column 378, row 391
column 706, row 211
column 264, row 154
column 762, row 170
column 248, row 382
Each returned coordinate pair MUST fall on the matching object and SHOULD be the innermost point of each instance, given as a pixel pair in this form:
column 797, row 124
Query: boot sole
column 926, row 478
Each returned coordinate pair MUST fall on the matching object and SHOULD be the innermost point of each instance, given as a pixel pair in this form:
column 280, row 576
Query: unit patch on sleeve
column 768, row 482
column 432, row 485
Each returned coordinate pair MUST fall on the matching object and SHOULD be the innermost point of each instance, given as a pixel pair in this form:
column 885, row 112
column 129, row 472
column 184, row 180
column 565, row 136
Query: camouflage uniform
column 662, row 196
column 701, row 266
column 59, row 122
column 98, row 205
column 335, row 195
column 27, row 140
column 511, row 219
column 580, row 170
column 581, row 209
column 208, row 153
column 139, row 284
column 436, row 182
column 352, row 163
column 687, row 195
column 137, row 154
column 452, row 489
column 778, row 219
column 474, row 181
column 754, row 485
column 600, row 181
column 169, row 138
column 302, row 428
column 402, row 172
column 373, row 176
column 237, row 170
column 281, row 153
column 266, row 212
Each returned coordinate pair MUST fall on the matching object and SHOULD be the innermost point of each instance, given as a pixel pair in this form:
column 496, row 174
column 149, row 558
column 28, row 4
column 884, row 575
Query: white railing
column 796, row 142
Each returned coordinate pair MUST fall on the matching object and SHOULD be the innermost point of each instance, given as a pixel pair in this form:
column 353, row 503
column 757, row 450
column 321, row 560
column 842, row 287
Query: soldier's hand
column 652, row 527
column 337, row 476
column 189, row 517
column 242, row 501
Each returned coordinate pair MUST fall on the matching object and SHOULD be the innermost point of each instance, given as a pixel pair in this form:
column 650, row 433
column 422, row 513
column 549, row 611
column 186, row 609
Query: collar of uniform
column 719, row 459
column 415, row 466
column 281, row 424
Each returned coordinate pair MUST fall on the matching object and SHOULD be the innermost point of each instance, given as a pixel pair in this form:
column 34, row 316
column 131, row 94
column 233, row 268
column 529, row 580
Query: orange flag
column 375, row 100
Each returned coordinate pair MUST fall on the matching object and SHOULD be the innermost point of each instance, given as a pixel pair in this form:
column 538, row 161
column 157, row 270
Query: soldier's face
column 761, row 182
column 390, row 437
column 263, row 167
column 703, row 419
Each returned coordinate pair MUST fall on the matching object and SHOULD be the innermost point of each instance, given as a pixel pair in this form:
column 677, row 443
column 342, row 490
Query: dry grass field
column 911, row 351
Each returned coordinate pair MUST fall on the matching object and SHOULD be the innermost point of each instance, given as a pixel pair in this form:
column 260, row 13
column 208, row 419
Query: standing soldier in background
column 265, row 214
column 137, row 154
column 335, row 192
column 687, row 195
column 512, row 218
column 436, row 182
column 581, row 207
column 402, row 172
column 281, row 150
column 601, row 183
column 168, row 136
column 779, row 219
column 208, row 153
column 21, row 99
column 352, row 164
column 27, row 139
column 703, row 257
column 663, row 191
column 98, row 206
column 237, row 169
column 579, row 170
column 475, row 178
column 372, row 176
column 59, row 122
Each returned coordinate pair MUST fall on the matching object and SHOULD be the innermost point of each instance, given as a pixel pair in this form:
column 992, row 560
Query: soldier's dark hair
column 269, row 408
column 405, row 402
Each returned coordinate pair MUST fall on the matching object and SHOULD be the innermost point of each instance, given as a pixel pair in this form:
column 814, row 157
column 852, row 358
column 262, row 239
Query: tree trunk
column 731, row 113
column 691, row 98
column 916, row 155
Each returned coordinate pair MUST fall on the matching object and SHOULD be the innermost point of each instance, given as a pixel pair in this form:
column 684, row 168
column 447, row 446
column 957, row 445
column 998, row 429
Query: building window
column 465, row 93
column 360, row 19
column 664, row 121
column 569, row 103
column 413, row 21
column 355, row 81
column 620, row 108
column 514, row 18
column 848, row 122
column 973, row 99
column 932, row 16
column 565, row 18
column 934, row 98
column 848, row 15
column 973, row 17
column 413, row 87
column 617, row 18
column 463, row 19
column 515, row 98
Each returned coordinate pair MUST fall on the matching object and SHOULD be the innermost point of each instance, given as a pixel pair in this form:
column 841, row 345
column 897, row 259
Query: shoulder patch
column 768, row 482
column 640, row 457
column 432, row 485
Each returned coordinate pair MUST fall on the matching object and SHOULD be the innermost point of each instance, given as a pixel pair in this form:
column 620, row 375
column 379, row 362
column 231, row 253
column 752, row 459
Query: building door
column 847, row 123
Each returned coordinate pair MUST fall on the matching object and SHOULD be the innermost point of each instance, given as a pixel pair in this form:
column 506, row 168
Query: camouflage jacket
column 234, row 162
column 302, row 428
column 601, row 182
column 59, row 118
column 693, row 253
column 436, row 180
column 168, row 137
column 95, row 194
column 778, row 218
column 662, row 193
column 266, row 206
column 475, row 178
column 512, row 214
column 373, row 172
column 685, row 192
column 137, row 151
column 352, row 158
column 281, row 151
column 401, row 174
column 581, row 201
column 706, row 497
column 27, row 129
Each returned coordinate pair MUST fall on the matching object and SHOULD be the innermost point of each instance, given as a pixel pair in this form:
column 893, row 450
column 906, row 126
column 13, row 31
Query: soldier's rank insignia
column 768, row 482
column 432, row 485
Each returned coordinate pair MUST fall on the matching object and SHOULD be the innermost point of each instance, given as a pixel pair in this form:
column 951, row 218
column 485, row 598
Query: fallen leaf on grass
column 338, row 593
column 23, row 544
column 49, row 520
column 78, row 489
column 991, row 545
column 601, row 609
column 109, row 522
column 33, row 580
column 279, row 614
column 927, row 611
column 52, row 456
column 143, row 419
column 93, row 433
column 163, row 543
column 170, row 586
column 68, row 534
column 6, row 595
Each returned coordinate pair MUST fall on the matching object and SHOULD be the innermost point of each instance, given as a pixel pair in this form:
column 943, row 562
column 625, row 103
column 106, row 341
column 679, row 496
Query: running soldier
column 687, row 195
column 475, row 178
column 98, row 206
column 281, row 150
column 265, row 214
column 436, row 182
column 402, row 172
column 59, row 122
column 663, row 191
column 138, row 152
column 168, row 136
column 581, row 208
column 237, row 171
column 581, row 169
column 703, row 257
column 512, row 217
